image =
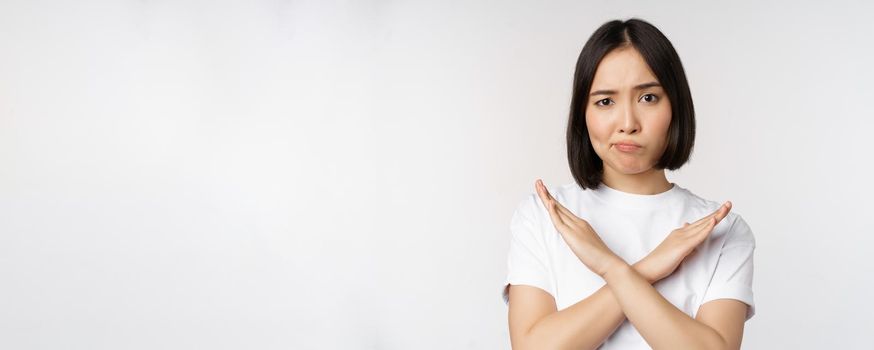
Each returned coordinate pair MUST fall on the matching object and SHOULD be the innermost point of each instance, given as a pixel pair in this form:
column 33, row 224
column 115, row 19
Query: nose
column 629, row 123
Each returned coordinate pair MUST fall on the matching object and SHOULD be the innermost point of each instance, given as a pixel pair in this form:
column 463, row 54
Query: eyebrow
column 612, row 92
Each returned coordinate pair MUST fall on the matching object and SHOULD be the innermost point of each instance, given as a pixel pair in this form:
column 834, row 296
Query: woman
column 622, row 258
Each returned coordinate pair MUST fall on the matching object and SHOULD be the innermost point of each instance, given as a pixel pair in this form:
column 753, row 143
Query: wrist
column 642, row 268
column 616, row 266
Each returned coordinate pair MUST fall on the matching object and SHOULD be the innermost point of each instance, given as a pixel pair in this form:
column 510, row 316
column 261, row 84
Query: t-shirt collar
column 638, row 201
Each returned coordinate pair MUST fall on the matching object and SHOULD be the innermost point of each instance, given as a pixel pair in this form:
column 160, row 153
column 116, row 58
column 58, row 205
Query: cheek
column 665, row 121
column 597, row 129
column 661, row 122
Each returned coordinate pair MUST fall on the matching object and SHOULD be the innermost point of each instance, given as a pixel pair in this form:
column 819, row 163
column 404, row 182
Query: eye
column 598, row 103
column 653, row 97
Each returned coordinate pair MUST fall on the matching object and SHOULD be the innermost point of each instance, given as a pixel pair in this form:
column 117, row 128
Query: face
column 627, row 104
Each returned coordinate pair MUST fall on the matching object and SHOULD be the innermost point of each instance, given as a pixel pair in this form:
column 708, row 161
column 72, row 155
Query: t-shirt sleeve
column 733, row 278
column 528, row 260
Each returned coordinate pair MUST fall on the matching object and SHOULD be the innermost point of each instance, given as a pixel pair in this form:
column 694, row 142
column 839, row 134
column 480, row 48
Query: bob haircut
column 586, row 166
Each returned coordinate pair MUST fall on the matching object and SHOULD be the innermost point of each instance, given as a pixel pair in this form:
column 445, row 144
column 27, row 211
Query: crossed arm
column 628, row 293
column 536, row 324
column 719, row 325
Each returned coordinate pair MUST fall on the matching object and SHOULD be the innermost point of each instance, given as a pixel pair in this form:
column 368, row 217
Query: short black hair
column 658, row 52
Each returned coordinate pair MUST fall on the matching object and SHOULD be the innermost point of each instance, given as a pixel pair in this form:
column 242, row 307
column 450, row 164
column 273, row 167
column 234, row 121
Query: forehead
column 622, row 68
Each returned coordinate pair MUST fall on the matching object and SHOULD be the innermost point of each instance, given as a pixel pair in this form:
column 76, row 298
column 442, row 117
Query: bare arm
column 535, row 323
column 663, row 326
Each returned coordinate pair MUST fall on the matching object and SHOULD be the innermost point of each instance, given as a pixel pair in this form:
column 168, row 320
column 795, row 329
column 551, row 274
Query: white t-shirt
column 631, row 225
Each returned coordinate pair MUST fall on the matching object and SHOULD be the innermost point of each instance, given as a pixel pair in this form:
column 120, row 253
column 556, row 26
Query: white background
column 341, row 175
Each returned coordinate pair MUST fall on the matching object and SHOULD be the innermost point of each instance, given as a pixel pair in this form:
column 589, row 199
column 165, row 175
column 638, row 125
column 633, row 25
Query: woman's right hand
column 665, row 258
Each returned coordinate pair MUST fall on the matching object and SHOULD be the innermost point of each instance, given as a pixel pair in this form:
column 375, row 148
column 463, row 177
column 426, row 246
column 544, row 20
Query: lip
column 626, row 146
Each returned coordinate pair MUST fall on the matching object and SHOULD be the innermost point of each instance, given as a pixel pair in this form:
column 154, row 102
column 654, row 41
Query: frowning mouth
column 624, row 147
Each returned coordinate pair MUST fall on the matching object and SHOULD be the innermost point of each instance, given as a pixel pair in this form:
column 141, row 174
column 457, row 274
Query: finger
column 701, row 232
column 718, row 213
column 565, row 213
column 545, row 190
column 702, row 222
column 724, row 211
column 548, row 203
column 710, row 224
column 561, row 216
column 708, row 227
column 707, row 218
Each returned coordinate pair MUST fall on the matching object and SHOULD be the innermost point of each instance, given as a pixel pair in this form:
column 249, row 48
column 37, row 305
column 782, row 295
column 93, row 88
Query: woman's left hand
column 579, row 235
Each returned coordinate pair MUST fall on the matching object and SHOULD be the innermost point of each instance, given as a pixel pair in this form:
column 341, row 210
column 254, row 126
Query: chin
column 631, row 169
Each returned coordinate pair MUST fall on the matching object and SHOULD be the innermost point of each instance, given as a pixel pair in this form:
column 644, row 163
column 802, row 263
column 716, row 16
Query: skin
column 643, row 116
column 639, row 115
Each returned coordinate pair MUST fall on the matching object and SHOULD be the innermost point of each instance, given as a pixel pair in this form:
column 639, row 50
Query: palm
column 578, row 234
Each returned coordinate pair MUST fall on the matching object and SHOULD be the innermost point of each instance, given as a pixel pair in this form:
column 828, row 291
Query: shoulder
column 733, row 226
column 739, row 233
column 530, row 218
column 531, row 207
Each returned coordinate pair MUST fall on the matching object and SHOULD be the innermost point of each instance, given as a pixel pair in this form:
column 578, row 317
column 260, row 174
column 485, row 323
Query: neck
column 652, row 181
